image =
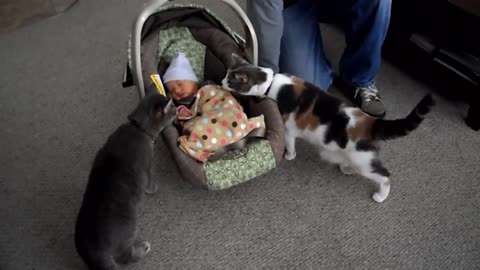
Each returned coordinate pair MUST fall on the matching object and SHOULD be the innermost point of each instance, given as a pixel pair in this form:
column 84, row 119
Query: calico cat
column 105, row 232
column 345, row 135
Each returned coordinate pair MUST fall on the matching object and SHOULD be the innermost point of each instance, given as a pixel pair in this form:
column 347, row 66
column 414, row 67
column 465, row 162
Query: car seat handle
column 152, row 7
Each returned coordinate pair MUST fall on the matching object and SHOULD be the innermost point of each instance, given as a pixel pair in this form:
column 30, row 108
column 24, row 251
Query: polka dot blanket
column 218, row 120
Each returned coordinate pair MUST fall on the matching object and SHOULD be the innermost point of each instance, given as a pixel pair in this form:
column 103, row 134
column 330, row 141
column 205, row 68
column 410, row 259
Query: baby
column 182, row 83
column 210, row 116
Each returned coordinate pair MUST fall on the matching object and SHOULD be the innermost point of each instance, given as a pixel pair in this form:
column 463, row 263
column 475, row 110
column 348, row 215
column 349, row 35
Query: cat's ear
column 237, row 60
column 242, row 77
column 169, row 106
column 165, row 109
column 147, row 109
column 162, row 106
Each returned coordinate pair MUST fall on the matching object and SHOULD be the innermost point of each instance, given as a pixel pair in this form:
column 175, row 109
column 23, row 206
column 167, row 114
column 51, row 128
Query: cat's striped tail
column 391, row 129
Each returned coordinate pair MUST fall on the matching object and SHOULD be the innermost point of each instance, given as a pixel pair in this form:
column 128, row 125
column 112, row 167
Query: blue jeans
column 290, row 40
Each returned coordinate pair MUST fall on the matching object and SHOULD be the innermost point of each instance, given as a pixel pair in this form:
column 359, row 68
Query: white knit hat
column 179, row 69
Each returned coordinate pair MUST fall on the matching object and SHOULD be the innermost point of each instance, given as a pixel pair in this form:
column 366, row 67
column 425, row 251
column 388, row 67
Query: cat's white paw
column 290, row 156
column 378, row 197
column 146, row 246
column 347, row 170
column 151, row 188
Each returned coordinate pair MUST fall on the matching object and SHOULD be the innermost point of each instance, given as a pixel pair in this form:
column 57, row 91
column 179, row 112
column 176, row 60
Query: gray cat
column 105, row 232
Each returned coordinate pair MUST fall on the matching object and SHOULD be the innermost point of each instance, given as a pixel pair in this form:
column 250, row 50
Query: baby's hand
column 183, row 113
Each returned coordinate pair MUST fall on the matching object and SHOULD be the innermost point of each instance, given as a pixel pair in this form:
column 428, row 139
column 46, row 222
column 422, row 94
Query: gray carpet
column 17, row 13
column 61, row 97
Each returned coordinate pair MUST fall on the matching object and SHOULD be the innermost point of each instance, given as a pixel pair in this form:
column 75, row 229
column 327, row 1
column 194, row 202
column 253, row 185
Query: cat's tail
column 391, row 129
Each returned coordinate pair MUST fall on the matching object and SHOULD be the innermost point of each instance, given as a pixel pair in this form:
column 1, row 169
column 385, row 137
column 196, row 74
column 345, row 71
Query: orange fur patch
column 363, row 126
column 387, row 183
column 298, row 86
column 307, row 119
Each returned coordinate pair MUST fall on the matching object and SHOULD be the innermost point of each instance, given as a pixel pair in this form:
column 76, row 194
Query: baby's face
column 182, row 89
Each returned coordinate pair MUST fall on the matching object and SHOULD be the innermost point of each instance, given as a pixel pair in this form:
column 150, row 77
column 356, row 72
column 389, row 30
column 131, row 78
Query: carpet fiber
column 61, row 97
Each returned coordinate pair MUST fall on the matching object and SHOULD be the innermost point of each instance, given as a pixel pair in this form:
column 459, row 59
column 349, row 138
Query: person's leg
column 267, row 19
column 301, row 49
column 365, row 33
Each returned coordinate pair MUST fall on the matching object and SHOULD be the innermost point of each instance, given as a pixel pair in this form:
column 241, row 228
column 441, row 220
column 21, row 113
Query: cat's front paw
column 347, row 170
column 378, row 197
column 290, row 156
column 139, row 250
column 146, row 247
column 151, row 188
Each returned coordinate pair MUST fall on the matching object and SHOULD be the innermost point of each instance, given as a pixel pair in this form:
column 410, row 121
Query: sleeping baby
column 209, row 115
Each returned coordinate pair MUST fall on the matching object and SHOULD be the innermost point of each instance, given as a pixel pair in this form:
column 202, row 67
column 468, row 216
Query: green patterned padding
column 179, row 40
column 239, row 166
